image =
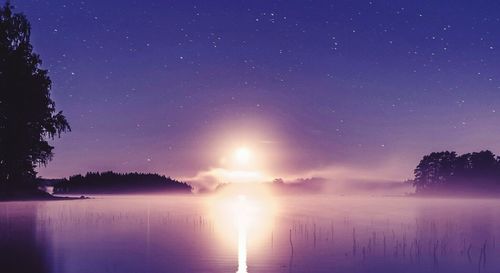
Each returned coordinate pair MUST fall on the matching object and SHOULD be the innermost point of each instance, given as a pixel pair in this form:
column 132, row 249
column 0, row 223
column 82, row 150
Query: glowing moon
column 242, row 156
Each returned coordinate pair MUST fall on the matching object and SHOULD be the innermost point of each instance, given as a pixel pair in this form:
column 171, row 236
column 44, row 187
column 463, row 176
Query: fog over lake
column 208, row 233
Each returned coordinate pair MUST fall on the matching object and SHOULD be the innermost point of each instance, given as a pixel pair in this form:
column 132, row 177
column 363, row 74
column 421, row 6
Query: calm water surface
column 317, row 233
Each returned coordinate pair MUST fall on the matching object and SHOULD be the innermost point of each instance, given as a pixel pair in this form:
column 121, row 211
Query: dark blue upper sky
column 156, row 85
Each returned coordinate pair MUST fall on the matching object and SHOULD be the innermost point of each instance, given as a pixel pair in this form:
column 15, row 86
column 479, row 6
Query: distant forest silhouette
column 449, row 173
column 111, row 182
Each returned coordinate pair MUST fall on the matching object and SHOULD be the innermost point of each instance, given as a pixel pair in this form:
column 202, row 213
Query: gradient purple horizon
column 155, row 86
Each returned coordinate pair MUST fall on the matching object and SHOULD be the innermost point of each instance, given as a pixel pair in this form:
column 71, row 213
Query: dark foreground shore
column 33, row 195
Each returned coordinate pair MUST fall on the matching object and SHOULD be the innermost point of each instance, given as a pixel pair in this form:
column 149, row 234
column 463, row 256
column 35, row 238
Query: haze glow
column 324, row 86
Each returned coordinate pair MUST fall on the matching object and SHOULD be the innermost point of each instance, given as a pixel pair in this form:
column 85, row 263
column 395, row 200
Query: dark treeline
column 111, row 182
column 449, row 173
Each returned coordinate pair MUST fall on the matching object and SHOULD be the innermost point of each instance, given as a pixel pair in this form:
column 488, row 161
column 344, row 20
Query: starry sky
column 160, row 86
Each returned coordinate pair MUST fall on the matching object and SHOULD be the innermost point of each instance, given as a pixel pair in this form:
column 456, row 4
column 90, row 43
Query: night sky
column 321, row 88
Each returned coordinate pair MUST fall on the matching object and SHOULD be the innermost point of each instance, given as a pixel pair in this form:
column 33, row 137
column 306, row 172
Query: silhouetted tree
column 27, row 113
column 278, row 181
column 445, row 171
column 435, row 170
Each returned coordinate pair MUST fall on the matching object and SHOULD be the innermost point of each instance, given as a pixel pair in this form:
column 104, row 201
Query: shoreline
column 34, row 198
column 36, row 195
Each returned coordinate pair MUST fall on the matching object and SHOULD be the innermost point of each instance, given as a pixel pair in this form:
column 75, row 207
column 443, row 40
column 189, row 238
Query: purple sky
column 160, row 86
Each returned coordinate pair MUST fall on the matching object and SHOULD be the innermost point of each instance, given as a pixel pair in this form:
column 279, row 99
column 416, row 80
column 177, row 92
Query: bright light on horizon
column 243, row 156
column 242, row 166
column 239, row 156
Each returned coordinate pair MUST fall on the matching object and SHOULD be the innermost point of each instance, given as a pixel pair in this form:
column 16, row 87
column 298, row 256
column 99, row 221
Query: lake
column 254, row 233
